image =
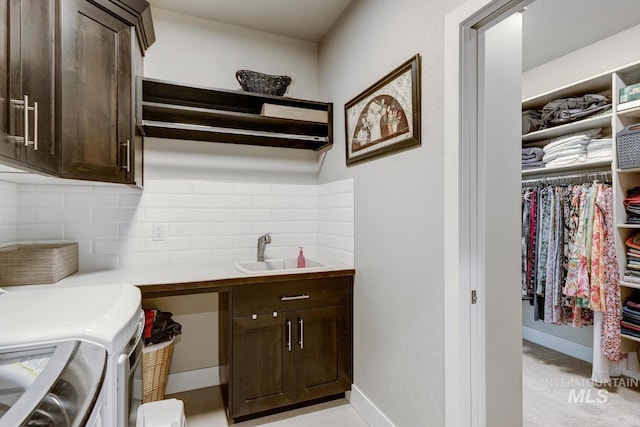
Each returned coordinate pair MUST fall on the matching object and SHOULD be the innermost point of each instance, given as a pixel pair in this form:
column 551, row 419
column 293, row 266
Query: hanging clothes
column 569, row 262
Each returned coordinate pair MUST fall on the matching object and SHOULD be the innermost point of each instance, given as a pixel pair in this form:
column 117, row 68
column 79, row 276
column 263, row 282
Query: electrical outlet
column 158, row 232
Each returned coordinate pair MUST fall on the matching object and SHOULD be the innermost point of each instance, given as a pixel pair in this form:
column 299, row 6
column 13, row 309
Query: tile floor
column 204, row 407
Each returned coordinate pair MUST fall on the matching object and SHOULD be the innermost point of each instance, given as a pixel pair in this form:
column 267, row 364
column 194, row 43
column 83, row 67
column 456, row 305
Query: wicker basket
column 628, row 147
column 156, row 360
column 253, row 81
column 35, row 264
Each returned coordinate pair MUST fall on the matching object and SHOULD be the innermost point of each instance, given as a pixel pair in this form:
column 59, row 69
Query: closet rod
column 604, row 176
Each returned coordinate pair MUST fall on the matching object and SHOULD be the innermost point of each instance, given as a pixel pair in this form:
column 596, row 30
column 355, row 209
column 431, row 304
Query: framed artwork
column 385, row 118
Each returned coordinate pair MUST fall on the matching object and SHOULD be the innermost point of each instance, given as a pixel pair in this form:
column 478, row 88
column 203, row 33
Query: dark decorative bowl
column 253, row 81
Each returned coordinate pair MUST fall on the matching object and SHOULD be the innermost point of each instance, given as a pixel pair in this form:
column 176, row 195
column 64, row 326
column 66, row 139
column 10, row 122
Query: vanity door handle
column 301, row 325
column 289, row 335
column 295, row 297
column 25, row 110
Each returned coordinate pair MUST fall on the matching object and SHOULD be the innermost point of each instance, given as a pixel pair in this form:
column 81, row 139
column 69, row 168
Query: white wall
column 206, row 53
column 8, row 212
column 608, row 54
column 398, row 311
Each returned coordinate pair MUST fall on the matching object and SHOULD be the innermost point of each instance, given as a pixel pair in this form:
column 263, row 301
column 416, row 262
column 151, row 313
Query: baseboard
column 185, row 381
column 367, row 410
column 562, row 345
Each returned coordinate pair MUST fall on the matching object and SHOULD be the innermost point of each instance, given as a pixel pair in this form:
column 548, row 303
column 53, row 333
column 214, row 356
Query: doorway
column 473, row 243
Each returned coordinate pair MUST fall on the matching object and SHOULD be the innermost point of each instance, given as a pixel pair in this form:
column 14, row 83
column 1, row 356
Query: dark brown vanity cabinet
column 289, row 342
column 73, row 64
column 27, row 83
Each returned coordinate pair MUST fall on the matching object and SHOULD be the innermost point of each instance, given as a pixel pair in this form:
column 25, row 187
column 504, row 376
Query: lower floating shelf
column 234, row 136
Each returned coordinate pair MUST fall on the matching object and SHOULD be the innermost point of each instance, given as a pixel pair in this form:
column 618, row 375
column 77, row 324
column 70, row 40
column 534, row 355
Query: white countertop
column 159, row 275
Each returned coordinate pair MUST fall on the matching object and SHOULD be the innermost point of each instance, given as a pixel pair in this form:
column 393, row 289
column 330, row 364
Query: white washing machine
column 43, row 327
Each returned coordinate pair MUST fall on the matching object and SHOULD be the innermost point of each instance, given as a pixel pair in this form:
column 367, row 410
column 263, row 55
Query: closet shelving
column 626, row 179
column 622, row 179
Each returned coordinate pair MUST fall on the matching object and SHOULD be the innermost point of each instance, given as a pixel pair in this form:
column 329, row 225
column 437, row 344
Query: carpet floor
column 557, row 391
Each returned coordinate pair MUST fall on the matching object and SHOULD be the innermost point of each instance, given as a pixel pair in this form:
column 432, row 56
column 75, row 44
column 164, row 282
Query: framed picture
column 385, row 118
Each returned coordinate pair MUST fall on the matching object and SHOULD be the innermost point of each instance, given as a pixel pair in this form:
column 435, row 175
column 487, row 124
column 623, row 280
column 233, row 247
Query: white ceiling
column 302, row 19
column 552, row 28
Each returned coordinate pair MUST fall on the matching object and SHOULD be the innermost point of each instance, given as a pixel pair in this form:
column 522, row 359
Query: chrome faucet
column 262, row 243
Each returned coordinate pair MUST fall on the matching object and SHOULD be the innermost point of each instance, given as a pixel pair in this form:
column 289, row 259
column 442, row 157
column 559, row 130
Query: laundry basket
column 156, row 360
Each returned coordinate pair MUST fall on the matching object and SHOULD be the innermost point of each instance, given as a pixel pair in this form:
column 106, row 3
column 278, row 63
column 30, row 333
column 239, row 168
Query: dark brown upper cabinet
column 78, row 60
column 27, row 83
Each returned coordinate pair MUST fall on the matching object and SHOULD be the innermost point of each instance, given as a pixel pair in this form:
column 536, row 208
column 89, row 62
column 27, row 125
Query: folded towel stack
column 600, row 149
column 632, row 271
column 532, row 158
column 630, row 323
column 569, row 149
column 632, row 206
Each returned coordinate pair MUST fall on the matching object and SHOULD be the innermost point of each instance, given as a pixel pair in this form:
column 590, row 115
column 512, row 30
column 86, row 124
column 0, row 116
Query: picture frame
column 385, row 118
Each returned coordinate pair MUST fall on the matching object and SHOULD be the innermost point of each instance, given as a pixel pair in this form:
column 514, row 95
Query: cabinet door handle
column 127, row 166
column 289, row 335
column 301, row 325
column 295, row 297
column 35, row 126
column 25, row 110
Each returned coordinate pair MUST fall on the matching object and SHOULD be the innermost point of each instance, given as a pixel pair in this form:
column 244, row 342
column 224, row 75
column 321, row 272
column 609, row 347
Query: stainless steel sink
column 281, row 265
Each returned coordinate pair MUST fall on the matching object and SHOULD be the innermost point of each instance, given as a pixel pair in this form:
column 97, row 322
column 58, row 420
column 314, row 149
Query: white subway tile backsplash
column 25, row 216
column 190, row 200
column 150, row 200
column 190, row 257
column 40, row 199
column 132, row 230
column 106, row 247
column 62, row 216
column 33, row 232
column 168, row 215
column 113, row 215
column 144, row 259
column 91, row 231
column 168, row 244
column 7, row 234
column 167, row 186
column 204, row 221
column 252, row 215
column 93, row 200
column 241, row 188
column 293, row 190
column 211, row 215
column 212, row 187
column 212, row 242
column 191, row 229
column 131, row 245
column 132, row 200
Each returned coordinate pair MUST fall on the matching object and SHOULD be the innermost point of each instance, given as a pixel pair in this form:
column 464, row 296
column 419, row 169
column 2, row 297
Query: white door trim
column 464, row 368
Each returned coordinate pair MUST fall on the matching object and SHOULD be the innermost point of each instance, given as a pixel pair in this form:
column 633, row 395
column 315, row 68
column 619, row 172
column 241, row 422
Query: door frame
column 464, row 330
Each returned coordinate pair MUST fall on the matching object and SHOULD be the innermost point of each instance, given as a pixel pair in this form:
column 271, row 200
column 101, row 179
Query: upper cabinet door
column 27, row 87
column 97, row 128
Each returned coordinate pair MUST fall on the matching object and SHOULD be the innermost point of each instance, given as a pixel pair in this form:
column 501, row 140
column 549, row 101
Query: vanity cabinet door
column 97, row 126
column 262, row 373
column 323, row 352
